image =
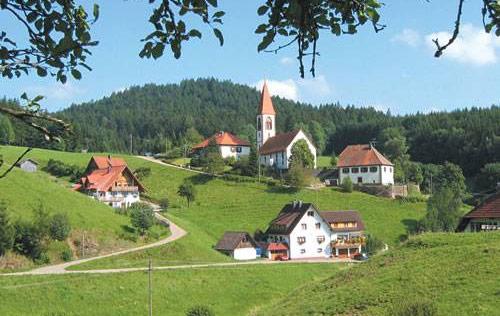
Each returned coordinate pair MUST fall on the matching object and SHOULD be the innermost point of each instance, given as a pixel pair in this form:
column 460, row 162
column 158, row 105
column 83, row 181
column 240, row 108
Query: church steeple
column 266, row 104
column 265, row 118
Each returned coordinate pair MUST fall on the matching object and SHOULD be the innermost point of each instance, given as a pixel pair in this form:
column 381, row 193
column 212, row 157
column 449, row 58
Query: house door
column 360, row 179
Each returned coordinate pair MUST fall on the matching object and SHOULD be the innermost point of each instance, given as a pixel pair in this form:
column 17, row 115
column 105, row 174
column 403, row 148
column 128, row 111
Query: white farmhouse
column 364, row 164
column 109, row 180
column 275, row 149
column 301, row 231
column 238, row 245
column 229, row 145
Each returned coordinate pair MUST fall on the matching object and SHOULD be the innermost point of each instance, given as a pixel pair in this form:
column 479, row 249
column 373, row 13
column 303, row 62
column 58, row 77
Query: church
column 276, row 149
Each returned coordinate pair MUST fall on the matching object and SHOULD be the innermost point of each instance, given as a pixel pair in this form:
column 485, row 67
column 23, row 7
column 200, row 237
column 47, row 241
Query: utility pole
column 150, row 272
column 83, row 244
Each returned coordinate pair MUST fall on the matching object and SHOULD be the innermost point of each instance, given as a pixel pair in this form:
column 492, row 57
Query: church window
column 259, row 124
column 269, row 123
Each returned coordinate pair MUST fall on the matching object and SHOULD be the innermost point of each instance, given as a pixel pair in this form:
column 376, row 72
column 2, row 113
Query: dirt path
column 176, row 233
column 152, row 159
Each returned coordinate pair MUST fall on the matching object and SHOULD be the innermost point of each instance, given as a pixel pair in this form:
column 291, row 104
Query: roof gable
column 278, row 143
column 266, row 104
column 332, row 217
column 231, row 240
column 288, row 218
column 361, row 155
column 224, row 139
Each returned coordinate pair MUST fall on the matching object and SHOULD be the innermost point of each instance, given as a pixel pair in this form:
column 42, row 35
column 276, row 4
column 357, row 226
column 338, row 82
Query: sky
column 391, row 70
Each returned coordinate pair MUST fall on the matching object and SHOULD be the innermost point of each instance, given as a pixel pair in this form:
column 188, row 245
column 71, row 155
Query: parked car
column 360, row 257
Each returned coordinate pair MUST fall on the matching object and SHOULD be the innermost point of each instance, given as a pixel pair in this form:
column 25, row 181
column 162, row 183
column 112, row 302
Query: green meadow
column 228, row 291
column 458, row 274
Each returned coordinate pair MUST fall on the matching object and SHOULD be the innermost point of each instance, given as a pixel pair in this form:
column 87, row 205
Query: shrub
column 28, row 240
column 372, row 244
column 297, row 177
column 6, row 231
column 59, row 228
column 347, row 185
column 43, row 258
column 230, row 161
column 187, row 190
column 416, row 308
column 200, row 310
column 142, row 172
column 164, row 203
column 60, row 169
column 141, row 217
column 66, row 255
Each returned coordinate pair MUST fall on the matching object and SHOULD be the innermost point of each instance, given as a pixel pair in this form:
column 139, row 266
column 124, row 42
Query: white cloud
column 318, row 86
column 473, row 45
column 286, row 88
column 298, row 90
column 286, row 61
column 57, row 91
column 409, row 37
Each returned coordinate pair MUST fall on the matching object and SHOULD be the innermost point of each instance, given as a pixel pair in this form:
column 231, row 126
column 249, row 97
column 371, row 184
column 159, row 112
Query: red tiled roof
column 278, row 143
column 343, row 217
column 223, row 138
column 273, row 246
column 266, row 104
column 288, row 218
column 361, row 155
column 107, row 170
column 490, row 208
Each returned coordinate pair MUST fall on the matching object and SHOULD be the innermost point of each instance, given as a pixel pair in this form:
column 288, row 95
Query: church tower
column 266, row 123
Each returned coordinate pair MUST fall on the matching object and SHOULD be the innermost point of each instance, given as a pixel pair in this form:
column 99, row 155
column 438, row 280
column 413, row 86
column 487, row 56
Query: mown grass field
column 228, row 291
column 458, row 273
column 22, row 192
column 323, row 162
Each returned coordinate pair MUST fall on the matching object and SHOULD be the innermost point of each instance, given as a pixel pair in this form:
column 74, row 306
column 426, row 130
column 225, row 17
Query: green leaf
column 37, row 99
column 219, row 14
column 262, row 10
column 76, row 74
column 261, row 29
column 219, row 35
column 41, row 71
column 157, row 51
column 194, row 33
column 24, row 96
column 213, row 3
column 96, row 11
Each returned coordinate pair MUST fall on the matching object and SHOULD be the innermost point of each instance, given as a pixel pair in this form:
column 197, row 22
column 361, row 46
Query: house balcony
column 353, row 242
column 125, row 189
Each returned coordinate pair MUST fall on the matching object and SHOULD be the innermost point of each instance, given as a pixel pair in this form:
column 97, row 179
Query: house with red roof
column 110, row 180
column 276, row 149
column 364, row 164
column 302, row 231
column 484, row 217
column 229, row 145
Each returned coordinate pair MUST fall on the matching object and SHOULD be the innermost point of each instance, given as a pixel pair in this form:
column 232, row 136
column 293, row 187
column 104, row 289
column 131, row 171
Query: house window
column 384, row 169
column 238, row 149
column 355, row 170
column 304, row 226
column 373, row 169
column 282, row 156
column 345, row 170
column 310, row 213
column 320, row 239
column 269, row 123
column 390, row 170
column 302, row 251
column 259, row 124
column 360, row 179
column 318, row 225
column 301, row 240
column 320, row 250
column 364, row 169
column 233, row 149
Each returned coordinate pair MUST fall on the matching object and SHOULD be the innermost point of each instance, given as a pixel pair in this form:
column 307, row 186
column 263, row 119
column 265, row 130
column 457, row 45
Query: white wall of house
column 313, row 247
column 368, row 174
column 118, row 199
column 234, row 151
column 281, row 159
column 245, row 253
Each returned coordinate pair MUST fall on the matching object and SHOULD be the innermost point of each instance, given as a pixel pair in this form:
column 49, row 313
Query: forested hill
column 176, row 113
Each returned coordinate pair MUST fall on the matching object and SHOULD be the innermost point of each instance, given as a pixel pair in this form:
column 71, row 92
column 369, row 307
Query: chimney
column 109, row 163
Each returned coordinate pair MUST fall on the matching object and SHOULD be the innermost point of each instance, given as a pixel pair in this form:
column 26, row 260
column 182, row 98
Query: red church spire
column 266, row 104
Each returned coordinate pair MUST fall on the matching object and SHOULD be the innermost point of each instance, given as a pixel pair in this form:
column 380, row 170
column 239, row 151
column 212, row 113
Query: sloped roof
column 26, row 160
column 489, row 208
column 266, row 104
column 230, row 240
column 361, row 155
column 288, row 218
column 278, row 143
column 107, row 172
column 341, row 217
column 273, row 246
column 223, row 138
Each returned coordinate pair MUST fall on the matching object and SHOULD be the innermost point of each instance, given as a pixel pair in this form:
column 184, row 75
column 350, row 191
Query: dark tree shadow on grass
column 411, row 226
column 281, row 190
column 201, row 179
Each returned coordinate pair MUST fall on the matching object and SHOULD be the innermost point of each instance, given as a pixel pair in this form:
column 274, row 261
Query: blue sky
column 393, row 69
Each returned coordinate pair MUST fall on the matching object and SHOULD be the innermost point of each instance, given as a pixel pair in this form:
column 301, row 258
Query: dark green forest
column 166, row 116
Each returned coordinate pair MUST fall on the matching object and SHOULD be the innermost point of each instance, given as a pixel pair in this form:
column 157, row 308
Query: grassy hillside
column 228, row 291
column 458, row 273
column 22, row 192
